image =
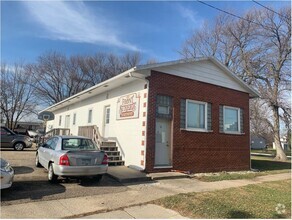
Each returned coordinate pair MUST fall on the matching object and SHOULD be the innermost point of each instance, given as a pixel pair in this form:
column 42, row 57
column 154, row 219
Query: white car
column 7, row 174
column 71, row 156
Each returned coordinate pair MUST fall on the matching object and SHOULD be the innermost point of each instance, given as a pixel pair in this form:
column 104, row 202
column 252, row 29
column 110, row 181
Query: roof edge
column 252, row 92
column 90, row 88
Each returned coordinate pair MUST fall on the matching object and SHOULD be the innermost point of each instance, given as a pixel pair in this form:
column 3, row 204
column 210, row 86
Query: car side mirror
column 44, row 145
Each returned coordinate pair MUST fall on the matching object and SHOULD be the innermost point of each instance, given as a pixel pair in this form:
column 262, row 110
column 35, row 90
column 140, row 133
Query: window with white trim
column 196, row 115
column 231, row 118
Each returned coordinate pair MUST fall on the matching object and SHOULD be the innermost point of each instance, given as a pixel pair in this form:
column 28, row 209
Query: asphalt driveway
column 31, row 184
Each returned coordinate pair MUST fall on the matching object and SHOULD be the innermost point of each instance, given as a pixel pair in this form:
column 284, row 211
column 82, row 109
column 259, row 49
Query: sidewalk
column 148, row 211
column 137, row 194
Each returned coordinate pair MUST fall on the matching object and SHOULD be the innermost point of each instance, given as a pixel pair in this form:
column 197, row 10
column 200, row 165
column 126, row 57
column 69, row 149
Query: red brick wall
column 199, row 151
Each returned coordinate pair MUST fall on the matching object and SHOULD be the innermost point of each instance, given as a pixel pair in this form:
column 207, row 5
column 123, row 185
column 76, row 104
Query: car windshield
column 78, row 144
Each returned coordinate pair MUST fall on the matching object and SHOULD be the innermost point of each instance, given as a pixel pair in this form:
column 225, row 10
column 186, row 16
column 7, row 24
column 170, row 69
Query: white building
column 161, row 116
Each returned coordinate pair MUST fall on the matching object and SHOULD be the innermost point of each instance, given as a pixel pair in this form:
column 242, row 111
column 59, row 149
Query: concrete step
column 114, row 158
column 116, row 163
column 108, row 143
column 167, row 175
column 125, row 174
column 113, row 153
column 109, row 148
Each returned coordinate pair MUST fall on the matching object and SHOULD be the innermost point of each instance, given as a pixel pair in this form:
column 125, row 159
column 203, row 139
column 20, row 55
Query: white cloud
column 190, row 15
column 72, row 21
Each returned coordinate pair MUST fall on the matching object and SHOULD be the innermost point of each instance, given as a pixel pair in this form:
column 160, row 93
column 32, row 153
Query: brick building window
column 231, row 117
column 196, row 122
column 196, row 115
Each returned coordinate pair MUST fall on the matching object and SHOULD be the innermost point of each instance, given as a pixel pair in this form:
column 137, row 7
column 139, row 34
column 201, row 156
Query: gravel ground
column 31, row 184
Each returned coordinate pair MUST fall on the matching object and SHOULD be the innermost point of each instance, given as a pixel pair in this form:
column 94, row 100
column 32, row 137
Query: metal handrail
column 97, row 136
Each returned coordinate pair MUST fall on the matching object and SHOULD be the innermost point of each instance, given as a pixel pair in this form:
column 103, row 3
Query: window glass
column 90, row 116
column 54, row 143
column 107, row 115
column 163, row 109
column 60, row 120
column 78, row 144
column 48, row 143
column 74, row 118
column 196, row 115
column 231, row 119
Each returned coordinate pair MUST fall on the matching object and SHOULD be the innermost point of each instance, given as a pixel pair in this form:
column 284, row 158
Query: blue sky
column 155, row 29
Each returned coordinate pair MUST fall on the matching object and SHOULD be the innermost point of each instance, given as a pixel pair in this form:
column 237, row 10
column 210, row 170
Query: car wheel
column 98, row 177
column 18, row 146
column 51, row 175
column 37, row 162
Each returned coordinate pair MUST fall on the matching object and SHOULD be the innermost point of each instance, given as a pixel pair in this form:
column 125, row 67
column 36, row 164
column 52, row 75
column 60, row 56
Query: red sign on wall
column 128, row 106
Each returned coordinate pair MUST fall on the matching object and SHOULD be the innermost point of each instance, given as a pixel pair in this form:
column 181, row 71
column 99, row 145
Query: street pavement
column 136, row 194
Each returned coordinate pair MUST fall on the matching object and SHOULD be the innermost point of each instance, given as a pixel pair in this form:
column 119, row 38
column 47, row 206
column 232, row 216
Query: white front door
column 67, row 121
column 162, row 142
column 107, row 112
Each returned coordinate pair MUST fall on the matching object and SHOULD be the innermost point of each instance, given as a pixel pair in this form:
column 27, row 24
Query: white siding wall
column 128, row 132
column 204, row 71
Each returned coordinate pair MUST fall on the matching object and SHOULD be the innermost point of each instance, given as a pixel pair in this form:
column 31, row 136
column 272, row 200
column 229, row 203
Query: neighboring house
column 257, row 142
column 188, row 115
column 25, row 127
column 284, row 144
column 28, row 125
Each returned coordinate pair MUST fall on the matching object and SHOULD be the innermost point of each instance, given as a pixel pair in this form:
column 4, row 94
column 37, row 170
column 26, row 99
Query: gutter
column 90, row 89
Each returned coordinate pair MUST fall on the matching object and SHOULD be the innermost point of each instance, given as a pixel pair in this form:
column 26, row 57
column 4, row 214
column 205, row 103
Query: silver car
column 7, row 174
column 71, row 156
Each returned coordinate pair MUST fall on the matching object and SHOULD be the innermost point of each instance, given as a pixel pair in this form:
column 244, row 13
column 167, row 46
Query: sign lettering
column 128, row 106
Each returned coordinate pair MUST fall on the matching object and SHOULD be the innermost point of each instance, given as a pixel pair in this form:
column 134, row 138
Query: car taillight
column 64, row 160
column 105, row 160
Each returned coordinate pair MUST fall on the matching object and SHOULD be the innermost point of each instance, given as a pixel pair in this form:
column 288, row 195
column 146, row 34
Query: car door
column 43, row 153
column 6, row 138
column 50, row 151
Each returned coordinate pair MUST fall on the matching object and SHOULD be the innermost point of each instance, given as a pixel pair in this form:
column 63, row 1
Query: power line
column 231, row 14
column 270, row 9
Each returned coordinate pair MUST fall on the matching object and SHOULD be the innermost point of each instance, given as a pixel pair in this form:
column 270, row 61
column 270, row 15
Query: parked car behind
column 34, row 135
column 71, row 156
column 7, row 174
column 10, row 139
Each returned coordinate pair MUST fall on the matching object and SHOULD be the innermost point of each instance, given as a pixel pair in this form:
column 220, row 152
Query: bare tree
column 57, row 77
column 260, row 123
column 286, row 119
column 17, row 94
column 258, row 49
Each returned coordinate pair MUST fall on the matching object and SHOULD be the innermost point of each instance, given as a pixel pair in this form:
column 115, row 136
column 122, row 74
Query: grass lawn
column 265, row 165
column 252, row 201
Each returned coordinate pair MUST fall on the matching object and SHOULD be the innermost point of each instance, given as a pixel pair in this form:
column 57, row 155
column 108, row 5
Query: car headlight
column 7, row 168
